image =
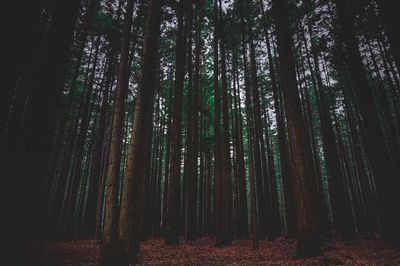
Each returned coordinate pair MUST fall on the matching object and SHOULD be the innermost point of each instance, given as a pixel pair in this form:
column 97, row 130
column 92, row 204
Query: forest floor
column 202, row 252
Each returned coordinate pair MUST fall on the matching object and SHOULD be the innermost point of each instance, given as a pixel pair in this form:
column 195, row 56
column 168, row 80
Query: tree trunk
column 283, row 149
column 174, row 197
column 218, row 177
column 250, row 145
column 94, row 194
column 226, row 160
column 308, row 242
column 243, row 231
column 139, row 148
column 108, row 248
column 192, row 155
column 166, row 167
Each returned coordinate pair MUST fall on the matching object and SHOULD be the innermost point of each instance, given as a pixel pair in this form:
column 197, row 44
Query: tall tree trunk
column 174, row 197
column 167, row 157
column 218, row 195
column 199, row 125
column 283, row 149
column 308, row 115
column 262, row 174
column 226, row 160
column 192, row 155
column 308, row 242
column 250, row 145
column 94, row 194
column 139, row 155
column 243, row 231
column 108, row 248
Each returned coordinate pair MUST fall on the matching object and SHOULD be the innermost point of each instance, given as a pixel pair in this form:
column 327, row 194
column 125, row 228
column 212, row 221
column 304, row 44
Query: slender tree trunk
column 218, row 195
column 243, row 231
column 166, row 167
column 250, row 141
column 94, row 194
column 226, row 160
column 174, row 195
column 192, row 155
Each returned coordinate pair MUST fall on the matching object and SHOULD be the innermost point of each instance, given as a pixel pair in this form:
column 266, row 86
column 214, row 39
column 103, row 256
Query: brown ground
column 202, row 252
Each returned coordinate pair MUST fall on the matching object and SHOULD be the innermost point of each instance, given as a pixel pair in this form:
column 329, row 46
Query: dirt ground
column 202, row 252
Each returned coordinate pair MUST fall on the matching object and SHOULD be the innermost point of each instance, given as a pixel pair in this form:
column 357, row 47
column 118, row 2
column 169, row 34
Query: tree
column 139, row 155
column 250, row 141
column 108, row 248
column 304, row 189
column 383, row 170
column 283, row 118
column 242, row 231
column 173, row 214
column 341, row 203
column 192, row 156
column 226, row 158
column 283, row 149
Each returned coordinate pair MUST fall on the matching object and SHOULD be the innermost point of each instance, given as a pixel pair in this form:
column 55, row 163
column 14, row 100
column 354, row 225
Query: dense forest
column 126, row 121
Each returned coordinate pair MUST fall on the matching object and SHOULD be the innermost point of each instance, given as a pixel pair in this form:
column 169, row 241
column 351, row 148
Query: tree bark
column 174, row 197
column 108, row 248
column 308, row 242
column 139, row 148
